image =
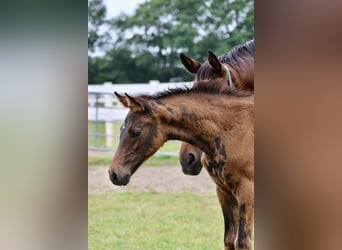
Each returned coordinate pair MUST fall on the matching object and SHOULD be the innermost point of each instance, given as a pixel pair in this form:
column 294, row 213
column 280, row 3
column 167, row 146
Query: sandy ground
column 156, row 179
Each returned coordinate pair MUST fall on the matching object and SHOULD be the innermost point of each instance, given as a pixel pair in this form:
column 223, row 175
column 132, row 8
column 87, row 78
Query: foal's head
column 139, row 128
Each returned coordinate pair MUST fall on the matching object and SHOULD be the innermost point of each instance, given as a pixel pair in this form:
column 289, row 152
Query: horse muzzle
column 191, row 165
column 121, row 179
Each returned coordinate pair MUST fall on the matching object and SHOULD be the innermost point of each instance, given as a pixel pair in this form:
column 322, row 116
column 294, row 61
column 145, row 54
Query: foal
column 221, row 124
column 234, row 69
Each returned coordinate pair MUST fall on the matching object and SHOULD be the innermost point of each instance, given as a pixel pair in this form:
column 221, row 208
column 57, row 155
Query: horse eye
column 134, row 133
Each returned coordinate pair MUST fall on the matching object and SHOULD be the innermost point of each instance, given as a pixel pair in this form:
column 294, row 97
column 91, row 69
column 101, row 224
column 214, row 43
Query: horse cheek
column 154, row 141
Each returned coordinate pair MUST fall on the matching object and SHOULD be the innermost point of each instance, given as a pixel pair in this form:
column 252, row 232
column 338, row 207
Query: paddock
column 170, row 211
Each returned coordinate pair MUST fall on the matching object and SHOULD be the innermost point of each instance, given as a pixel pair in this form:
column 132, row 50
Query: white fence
column 103, row 107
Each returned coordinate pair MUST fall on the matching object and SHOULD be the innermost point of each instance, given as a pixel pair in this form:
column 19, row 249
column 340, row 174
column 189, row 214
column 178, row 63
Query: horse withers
column 221, row 124
column 234, row 69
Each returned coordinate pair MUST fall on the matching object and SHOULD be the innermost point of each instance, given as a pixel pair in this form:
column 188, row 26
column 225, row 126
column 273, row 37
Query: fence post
column 108, row 102
column 96, row 105
column 154, row 86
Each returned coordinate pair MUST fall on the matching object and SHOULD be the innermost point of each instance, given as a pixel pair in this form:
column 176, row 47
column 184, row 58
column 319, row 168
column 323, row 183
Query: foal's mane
column 205, row 87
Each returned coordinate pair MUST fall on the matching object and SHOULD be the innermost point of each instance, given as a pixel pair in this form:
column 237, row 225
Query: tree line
column 146, row 45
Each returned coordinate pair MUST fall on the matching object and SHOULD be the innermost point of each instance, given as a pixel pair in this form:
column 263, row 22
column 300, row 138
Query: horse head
column 211, row 69
column 138, row 129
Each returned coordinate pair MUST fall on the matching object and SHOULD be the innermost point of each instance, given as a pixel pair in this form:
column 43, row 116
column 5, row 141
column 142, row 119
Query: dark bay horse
column 238, row 63
column 220, row 123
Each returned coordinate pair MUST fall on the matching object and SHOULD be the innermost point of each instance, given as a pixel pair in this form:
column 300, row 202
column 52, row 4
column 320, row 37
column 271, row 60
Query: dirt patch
column 157, row 179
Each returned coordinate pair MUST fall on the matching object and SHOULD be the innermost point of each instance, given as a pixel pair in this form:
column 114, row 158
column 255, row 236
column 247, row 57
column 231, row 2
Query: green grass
column 170, row 146
column 147, row 220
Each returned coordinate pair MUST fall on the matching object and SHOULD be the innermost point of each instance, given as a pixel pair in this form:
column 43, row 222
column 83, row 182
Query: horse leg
column 230, row 212
column 246, row 215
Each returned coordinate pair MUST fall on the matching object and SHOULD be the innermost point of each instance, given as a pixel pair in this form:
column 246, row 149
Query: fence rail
column 106, row 114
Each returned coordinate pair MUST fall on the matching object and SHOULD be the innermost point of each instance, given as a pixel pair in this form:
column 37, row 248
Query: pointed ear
column 190, row 64
column 135, row 103
column 122, row 99
column 214, row 62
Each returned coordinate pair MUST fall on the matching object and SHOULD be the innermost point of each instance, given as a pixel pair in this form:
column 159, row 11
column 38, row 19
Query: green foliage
column 96, row 18
column 147, row 44
column 146, row 220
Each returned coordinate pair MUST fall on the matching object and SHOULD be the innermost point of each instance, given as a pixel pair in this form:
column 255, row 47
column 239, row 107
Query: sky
column 114, row 7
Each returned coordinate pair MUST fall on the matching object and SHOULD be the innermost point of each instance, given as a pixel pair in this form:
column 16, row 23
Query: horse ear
column 135, row 104
column 214, row 62
column 122, row 99
column 190, row 64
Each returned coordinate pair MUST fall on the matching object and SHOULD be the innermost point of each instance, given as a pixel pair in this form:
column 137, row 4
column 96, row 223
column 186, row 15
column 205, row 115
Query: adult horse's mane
column 237, row 58
column 205, row 87
column 237, row 53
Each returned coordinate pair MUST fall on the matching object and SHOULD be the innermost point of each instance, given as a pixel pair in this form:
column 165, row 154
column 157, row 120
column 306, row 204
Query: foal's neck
column 204, row 120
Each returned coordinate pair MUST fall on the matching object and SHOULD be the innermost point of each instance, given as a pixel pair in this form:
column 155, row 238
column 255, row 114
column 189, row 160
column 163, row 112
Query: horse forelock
column 205, row 72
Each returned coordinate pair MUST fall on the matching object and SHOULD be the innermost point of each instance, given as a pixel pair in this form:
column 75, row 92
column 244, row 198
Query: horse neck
column 200, row 119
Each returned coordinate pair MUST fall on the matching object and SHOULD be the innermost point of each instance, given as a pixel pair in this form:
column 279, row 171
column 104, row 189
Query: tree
column 96, row 19
column 161, row 29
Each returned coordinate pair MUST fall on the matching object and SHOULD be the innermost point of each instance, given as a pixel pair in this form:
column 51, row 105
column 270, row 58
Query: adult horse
column 221, row 124
column 234, row 69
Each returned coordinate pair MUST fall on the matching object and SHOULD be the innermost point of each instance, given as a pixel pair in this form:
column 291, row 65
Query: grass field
column 148, row 220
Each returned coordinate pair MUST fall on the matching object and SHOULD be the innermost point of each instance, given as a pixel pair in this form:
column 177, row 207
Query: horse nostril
column 119, row 180
column 113, row 177
column 190, row 158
